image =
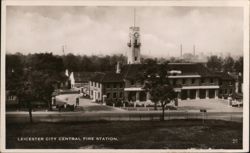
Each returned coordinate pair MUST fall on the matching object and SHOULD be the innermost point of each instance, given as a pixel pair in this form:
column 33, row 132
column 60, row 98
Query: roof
column 83, row 76
column 134, row 70
column 107, row 77
column 225, row 76
column 192, row 69
column 131, row 71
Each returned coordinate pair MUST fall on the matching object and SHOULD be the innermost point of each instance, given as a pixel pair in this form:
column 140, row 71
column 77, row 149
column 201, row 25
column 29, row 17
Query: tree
column 228, row 64
column 34, row 78
column 14, row 74
column 215, row 63
column 158, row 85
column 238, row 65
column 45, row 73
column 72, row 62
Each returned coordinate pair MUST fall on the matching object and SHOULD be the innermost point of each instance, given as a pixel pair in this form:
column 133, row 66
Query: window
column 121, row 95
column 202, row 80
column 135, row 58
column 211, row 80
column 114, row 85
column 132, row 82
column 108, row 95
column 91, row 83
column 91, row 92
column 99, row 84
column 220, row 82
column 183, row 81
column 108, row 85
column 230, row 82
column 95, row 84
column 114, row 95
column 121, row 85
column 193, row 81
column 174, row 81
column 231, row 91
column 99, row 95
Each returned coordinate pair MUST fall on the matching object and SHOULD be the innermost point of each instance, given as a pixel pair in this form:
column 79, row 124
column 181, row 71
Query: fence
column 131, row 116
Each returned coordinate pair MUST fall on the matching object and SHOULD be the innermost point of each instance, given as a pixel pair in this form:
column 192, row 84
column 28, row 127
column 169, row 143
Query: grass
column 95, row 108
column 172, row 134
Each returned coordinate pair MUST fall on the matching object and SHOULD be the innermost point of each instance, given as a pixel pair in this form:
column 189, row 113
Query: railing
column 131, row 116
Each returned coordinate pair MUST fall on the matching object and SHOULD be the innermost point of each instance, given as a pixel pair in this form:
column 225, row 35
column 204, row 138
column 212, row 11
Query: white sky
column 104, row 30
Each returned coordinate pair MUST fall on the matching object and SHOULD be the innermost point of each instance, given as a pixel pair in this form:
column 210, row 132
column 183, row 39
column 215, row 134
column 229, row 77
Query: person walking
column 77, row 101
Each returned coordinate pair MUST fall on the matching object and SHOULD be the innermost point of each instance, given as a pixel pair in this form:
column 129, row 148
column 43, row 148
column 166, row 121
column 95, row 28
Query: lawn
column 171, row 134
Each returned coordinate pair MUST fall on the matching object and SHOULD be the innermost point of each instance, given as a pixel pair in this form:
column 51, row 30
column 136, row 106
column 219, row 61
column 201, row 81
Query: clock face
column 136, row 35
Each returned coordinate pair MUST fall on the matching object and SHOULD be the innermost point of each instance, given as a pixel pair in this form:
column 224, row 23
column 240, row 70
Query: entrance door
column 202, row 94
column 192, row 94
column 142, row 96
column 183, row 94
column 211, row 93
column 132, row 96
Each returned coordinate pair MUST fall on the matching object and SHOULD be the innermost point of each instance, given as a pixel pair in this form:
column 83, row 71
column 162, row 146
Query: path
column 215, row 105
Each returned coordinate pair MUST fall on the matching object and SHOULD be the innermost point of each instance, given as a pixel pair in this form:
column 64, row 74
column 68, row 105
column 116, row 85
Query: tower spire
column 181, row 50
column 134, row 16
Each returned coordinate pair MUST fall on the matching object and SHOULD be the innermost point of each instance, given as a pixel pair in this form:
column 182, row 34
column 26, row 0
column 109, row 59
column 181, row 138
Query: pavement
column 87, row 104
column 212, row 105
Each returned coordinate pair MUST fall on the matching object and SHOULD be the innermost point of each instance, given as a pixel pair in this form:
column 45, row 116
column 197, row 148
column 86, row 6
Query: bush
column 118, row 103
column 109, row 102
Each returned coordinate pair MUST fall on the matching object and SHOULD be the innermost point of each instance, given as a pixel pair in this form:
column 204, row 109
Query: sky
column 95, row 30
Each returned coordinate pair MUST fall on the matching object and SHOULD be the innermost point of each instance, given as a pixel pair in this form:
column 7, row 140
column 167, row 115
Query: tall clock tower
column 134, row 44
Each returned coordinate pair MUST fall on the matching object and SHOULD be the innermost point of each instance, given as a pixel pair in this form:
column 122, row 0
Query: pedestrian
column 229, row 100
column 77, row 101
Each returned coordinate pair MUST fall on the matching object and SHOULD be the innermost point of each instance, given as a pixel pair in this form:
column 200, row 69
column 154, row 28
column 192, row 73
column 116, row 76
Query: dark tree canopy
column 215, row 63
column 228, row 64
column 238, row 65
column 33, row 77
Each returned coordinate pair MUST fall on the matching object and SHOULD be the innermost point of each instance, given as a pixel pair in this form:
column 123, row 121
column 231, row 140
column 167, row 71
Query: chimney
column 118, row 69
column 194, row 50
column 181, row 50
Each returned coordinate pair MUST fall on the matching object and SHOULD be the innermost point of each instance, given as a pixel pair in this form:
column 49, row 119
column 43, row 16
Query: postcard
column 125, row 76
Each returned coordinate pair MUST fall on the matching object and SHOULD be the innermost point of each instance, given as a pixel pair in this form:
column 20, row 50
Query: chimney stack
column 118, row 69
column 194, row 50
column 181, row 50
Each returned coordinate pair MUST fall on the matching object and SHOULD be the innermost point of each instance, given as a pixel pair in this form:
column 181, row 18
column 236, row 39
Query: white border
column 201, row 3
